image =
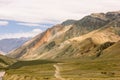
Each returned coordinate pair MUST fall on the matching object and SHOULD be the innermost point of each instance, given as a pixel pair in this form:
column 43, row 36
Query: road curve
column 57, row 72
column 1, row 74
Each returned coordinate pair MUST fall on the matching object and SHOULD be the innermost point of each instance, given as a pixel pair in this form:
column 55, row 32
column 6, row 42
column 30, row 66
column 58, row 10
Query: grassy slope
column 71, row 69
column 85, row 68
column 31, row 70
column 79, row 69
column 105, row 66
column 5, row 61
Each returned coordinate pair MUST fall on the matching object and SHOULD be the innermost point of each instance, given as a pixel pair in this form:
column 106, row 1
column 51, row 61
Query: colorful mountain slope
column 73, row 39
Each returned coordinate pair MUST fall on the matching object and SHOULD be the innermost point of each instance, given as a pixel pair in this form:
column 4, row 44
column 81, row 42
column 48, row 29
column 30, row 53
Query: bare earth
column 1, row 74
column 57, row 72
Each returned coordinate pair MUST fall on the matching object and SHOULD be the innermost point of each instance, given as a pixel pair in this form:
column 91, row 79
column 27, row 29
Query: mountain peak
column 98, row 15
column 68, row 22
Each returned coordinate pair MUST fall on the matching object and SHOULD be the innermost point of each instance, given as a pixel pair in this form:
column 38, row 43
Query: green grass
column 77, row 69
column 37, row 69
column 5, row 62
column 71, row 69
column 20, row 64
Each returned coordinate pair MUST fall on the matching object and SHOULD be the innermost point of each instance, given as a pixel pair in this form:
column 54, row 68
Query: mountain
column 93, row 22
column 85, row 49
column 85, row 45
column 68, row 22
column 72, row 39
column 39, row 40
column 7, row 45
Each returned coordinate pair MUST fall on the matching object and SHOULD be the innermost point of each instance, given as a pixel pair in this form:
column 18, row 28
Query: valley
column 85, row 49
column 69, row 69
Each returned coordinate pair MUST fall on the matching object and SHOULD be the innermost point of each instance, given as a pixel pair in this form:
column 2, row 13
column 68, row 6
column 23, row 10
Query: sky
column 27, row 18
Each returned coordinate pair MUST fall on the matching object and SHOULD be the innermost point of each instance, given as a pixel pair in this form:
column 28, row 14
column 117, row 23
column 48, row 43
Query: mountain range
column 7, row 45
column 85, row 49
column 90, row 36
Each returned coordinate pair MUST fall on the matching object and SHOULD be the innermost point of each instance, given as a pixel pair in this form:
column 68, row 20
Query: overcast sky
column 26, row 18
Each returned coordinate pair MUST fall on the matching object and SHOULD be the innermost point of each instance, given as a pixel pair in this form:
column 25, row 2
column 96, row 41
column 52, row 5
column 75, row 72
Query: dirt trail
column 1, row 74
column 57, row 72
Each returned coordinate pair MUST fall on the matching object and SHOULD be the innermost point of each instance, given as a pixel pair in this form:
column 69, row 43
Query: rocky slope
column 112, row 51
column 37, row 41
column 85, row 45
column 73, row 38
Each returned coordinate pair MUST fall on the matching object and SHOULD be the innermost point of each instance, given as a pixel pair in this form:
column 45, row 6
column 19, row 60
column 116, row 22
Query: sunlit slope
column 90, row 69
column 37, row 42
column 72, row 39
column 112, row 52
column 82, row 46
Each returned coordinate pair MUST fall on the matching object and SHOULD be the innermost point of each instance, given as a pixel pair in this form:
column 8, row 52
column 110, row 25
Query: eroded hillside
column 72, row 38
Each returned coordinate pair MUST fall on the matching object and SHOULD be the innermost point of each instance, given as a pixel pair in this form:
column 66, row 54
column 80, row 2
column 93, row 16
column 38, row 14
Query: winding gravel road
column 57, row 72
column 1, row 74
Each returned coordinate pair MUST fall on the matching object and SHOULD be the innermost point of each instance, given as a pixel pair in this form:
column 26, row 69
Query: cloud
column 35, row 25
column 32, row 33
column 28, row 24
column 37, row 30
column 3, row 23
column 53, row 11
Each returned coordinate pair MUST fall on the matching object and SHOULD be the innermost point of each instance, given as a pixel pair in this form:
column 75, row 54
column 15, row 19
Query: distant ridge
column 9, row 44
